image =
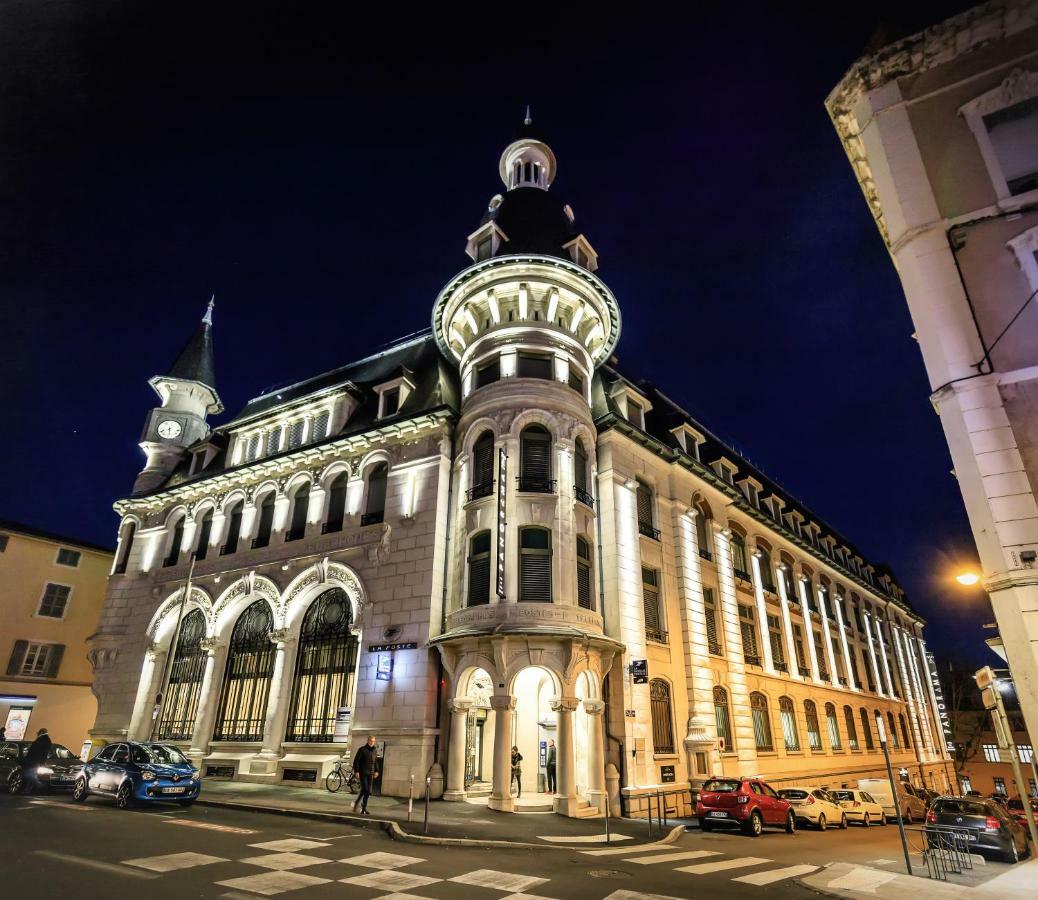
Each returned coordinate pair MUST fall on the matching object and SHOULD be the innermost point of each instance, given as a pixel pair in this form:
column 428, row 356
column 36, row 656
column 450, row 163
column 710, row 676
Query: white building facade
column 486, row 537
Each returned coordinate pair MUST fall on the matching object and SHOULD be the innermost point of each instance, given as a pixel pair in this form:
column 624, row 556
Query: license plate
column 972, row 837
column 178, row 790
column 719, row 815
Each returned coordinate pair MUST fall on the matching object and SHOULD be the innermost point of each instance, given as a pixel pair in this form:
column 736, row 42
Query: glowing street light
column 967, row 579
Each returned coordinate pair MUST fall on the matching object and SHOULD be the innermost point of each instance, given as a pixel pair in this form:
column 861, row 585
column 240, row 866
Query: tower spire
column 529, row 119
column 208, row 317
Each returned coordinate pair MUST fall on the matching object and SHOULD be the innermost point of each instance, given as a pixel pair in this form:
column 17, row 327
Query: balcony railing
column 750, row 659
column 768, row 586
column 647, row 529
column 706, row 554
column 535, row 485
column 654, row 634
column 260, row 543
column 584, row 497
column 485, row 489
column 331, row 527
column 373, row 518
column 781, row 667
column 739, row 573
column 715, row 648
column 294, row 534
column 228, row 549
column 824, row 675
column 843, row 681
column 804, row 671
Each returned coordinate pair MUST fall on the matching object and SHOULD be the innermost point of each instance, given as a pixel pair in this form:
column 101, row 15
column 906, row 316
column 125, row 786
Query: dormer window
column 582, row 253
column 635, row 414
column 484, row 248
column 725, row 470
column 392, row 395
column 390, row 402
column 689, row 439
column 751, row 490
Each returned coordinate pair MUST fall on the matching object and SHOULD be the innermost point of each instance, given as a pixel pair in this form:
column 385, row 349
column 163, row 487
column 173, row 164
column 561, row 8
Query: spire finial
column 528, row 120
column 208, row 317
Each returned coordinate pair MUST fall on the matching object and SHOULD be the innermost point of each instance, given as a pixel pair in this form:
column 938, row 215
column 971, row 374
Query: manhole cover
column 608, row 873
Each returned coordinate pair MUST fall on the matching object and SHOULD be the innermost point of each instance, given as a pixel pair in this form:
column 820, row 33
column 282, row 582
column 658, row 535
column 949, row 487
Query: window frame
column 78, row 554
column 654, row 587
column 661, row 710
column 760, row 715
column 478, row 557
column 40, row 614
column 531, row 552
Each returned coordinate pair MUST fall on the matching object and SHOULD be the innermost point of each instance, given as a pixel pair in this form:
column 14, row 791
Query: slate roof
column 533, row 221
column 195, row 362
column 8, row 527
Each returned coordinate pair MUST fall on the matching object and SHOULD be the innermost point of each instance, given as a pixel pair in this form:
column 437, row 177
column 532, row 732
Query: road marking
column 864, row 880
column 762, row 878
column 75, row 806
column 740, row 863
column 670, row 857
column 287, row 845
column 641, row 848
column 881, row 862
column 282, row 861
column 498, row 881
column 270, row 883
column 390, row 881
column 331, row 837
column 93, row 864
column 634, row 895
column 170, row 862
column 229, row 829
column 512, row 897
column 382, row 860
column 583, row 838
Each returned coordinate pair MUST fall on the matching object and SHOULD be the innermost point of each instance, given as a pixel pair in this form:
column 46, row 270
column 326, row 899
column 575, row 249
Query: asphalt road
column 92, row 850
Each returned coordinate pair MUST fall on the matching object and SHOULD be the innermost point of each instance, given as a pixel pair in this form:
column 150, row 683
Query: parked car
column 1001, row 799
column 989, row 828
column 913, row 808
column 1016, row 809
column 134, row 772
column 860, row 806
column 814, row 806
column 57, row 772
column 748, row 803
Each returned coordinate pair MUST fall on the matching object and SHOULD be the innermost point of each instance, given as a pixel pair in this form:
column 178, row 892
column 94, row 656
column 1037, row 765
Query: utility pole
column 893, row 790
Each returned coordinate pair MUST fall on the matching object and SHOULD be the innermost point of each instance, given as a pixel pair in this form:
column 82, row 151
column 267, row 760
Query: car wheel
column 791, row 824
column 866, row 821
column 843, row 821
column 16, row 782
column 79, row 791
column 1012, row 855
column 124, row 796
column 705, row 826
column 754, row 825
column 821, row 822
column 883, row 820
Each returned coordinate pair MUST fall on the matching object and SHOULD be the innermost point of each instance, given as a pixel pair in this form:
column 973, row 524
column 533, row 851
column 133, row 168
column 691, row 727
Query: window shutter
column 535, row 577
column 584, row 585
column 711, row 622
column 320, row 429
column 536, row 458
column 644, row 505
column 14, row 667
column 479, row 580
column 295, row 434
column 580, row 468
column 651, row 602
column 777, row 654
column 273, row 441
column 749, row 632
column 483, row 461
column 54, row 660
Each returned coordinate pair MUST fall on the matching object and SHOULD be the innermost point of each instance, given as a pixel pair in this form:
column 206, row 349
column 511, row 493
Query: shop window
column 250, row 663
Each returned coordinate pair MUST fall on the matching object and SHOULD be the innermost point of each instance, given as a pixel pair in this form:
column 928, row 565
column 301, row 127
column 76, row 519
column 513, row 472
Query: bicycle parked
column 341, row 775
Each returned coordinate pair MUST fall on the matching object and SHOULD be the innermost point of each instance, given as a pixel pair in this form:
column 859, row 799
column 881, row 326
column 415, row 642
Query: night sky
column 319, row 173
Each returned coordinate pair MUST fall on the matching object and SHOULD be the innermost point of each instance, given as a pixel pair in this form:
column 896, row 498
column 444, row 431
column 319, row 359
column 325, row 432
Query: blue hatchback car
column 134, row 772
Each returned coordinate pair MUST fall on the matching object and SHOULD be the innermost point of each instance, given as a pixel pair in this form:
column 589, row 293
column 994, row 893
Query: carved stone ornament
column 278, row 635
column 250, row 491
column 210, row 644
column 219, row 500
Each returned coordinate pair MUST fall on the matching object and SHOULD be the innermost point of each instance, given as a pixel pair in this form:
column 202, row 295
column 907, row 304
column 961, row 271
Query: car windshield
column 963, row 808
column 722, row 786
column 59, row 752
column 158, row 753
column 793, row 794
column 843, row 795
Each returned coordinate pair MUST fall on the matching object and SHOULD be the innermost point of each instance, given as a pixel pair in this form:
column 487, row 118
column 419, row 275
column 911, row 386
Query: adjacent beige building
column 941, row 129
column 51, row 592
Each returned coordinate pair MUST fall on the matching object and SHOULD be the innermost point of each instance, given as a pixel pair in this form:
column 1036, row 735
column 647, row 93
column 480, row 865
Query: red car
column 747, row 802
column 1016, row 809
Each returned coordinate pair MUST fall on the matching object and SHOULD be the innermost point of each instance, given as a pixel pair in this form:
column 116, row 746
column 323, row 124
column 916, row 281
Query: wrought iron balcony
column 739, row 573
column 228, row 549
column 486, row 489
column 804, row 671
column 647, row 529
column 843, row 681
column 750, row 659
column 584, row 497
column 781, row 667
column 373, row 518
column 706, row 554
column 260, row 543
column 535, row 485
column 768, row 587
column 654, row 634
column 295, row 534
column 331, row 527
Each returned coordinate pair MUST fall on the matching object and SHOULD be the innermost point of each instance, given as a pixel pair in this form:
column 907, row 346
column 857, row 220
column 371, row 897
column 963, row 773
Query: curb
column 393, row 829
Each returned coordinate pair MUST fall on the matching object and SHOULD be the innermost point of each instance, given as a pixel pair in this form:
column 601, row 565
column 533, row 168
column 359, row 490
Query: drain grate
column 609, row 873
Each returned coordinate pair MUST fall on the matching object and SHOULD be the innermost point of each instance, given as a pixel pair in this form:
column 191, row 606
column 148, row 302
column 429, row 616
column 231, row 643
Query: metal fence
column 660, row 807
column 946, row 849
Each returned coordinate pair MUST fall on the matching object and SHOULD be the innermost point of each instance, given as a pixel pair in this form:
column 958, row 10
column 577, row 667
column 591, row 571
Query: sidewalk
column 448, row 822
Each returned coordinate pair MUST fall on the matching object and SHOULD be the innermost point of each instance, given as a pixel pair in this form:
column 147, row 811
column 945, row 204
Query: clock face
column 170, row 428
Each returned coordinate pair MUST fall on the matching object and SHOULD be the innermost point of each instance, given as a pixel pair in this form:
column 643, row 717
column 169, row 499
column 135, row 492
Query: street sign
column 384, row 669
column 667, row 774
column 640, row 671
column 631, row 713
column 502, row 487
column 942, row 709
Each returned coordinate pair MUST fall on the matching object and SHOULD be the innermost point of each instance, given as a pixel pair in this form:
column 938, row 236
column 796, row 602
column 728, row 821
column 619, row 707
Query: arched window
column 814, row 733
column 791, row 583
column 787, row 712
column 809, row 592
column 375, row 508
column 764, row 564
column 336, row 505
column 266, row 521
column 585, row 598
column 703, row 535
column 866, row 728
column 325, row 668
column 580, row 475
column 904, row 731
column 761, row 722
column 535, row 565
column 852, row 731
column 180, row 702
column 300, row 507
column 646, row 521
column 739, row 556
column 233, row 528
column 479, row 569
column 205, row 530
column 173, row 555
column 482, row 466
column 662, row 724
column 126, row 546
column 723, row 718
column 246, row 683
column 895, row 741
column 535, row 461
column 833, row 725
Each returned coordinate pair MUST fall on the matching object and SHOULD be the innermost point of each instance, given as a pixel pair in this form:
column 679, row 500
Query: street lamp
column 967, row 579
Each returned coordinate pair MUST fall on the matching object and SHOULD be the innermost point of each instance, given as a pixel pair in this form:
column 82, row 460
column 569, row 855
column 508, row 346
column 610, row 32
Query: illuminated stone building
column 484, row 536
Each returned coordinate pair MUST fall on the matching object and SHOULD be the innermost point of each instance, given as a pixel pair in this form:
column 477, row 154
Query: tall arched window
column 895, row 741
column 585, row 597
column 703, row 535
column 809, row 592
column 761, row 722
column 904, row 731
column 479, row 569
column 177, row 538
column 266, row 521
column 852, row 731
column 764, row 564
column 233, row 528
column 375, row 508
column 205, row 531
column 535, row 565
column 834, row 727
column 325, row 668
column 336, row 505
column 723, row 718
column 300, row 507
column 246, row 683
column 789, row 724
column 535, row 461
column 126, row 546
column 739, row 563
column 662, row 722
column 180, row 702
column 482, row 466
column 814, row 733
column 581, row 487
column 866, row 728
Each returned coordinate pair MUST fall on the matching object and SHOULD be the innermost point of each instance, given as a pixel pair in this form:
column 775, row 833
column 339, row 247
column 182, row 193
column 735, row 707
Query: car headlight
column 44, row 770
column 148, row 776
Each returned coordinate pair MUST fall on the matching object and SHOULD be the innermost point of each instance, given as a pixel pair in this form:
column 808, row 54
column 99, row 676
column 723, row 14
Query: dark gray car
column 987, row 826
column 57, row 772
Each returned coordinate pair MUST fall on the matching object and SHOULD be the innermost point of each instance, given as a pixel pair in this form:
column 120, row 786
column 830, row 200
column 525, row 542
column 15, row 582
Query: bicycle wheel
column 334, row 781
column 353, row 784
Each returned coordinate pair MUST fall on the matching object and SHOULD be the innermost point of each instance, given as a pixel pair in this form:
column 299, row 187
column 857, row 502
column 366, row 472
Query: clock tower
column 188, row 395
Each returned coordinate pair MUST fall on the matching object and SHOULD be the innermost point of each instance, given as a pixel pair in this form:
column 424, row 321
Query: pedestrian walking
column 365, row 764
column 550, row 766
column 517, row 771
column 35, row 756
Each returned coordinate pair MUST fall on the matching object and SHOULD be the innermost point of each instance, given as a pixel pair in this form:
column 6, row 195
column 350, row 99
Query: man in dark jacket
column 365, row 764
column 549, row 766
column 35, row 756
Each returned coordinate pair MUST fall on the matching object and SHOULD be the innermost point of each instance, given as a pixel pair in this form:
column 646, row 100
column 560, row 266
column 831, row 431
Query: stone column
column 216, row 533
column 456, row 753
column 872, row 654
column 827, row 639
column 566, row 797
column 883, row 659
column 501, row 794
column 785, row 581
column 762, row 615
column 596, row 783
column 910, row 707
column 282, row 509
column 809, row 631
column 141, row 723
column 920, row 701
column 318, row 501
column 208, row 700
column 844, row 649
column 249, row 521
column 265, row 762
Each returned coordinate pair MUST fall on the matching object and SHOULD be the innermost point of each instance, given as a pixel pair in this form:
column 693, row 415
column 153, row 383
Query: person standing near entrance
column 35, row 757
column 517, row 770
column 365, row 764
column 549, row 765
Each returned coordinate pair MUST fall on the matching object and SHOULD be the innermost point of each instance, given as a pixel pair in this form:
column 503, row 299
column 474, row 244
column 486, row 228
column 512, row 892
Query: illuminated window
column 833, row 725
column 1000, row 785
column 250, row 663
column 787, row 713
column 738, row 544
column 1026, row 752
column 185, row 680
column 814, row 733
column 852, row 731
column 991, row 753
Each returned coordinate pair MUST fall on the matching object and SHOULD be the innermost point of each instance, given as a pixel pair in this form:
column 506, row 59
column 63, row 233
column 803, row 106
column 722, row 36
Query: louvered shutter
column 644, row 505
column 535, row 462
column 535, row 565
column 479, row 570
column 749, row 633
column 54, row 660
column 712, row 640
column 483, row 461
column 14, row 666
column 777, row 653
column 651, row 603
column 580, row 468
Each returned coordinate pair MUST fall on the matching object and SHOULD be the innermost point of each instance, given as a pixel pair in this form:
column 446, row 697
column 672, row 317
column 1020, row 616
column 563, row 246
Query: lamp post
column 893, row 790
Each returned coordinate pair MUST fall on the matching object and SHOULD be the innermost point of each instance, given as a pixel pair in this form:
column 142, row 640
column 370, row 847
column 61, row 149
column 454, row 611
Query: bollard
column 661, row 805
column 607, row 819
column 428, row 784
column 410, row 799
column 649, row 798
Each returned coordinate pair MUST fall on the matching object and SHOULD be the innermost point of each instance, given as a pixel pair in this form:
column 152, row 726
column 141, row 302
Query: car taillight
column 810, row 799
column 991, row 823
column 931, row 817
column 743, row 798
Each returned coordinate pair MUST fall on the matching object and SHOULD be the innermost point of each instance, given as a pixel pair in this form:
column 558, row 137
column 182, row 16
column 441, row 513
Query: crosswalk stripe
column 229, row 829
column 614, row 851
column 740, row 863
column 762, row 878
column 670, row 857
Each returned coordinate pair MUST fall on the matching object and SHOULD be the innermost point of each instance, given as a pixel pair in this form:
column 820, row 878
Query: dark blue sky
column 319, row 172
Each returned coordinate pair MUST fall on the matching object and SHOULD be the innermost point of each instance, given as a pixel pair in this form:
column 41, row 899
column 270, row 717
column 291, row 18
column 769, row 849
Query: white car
column 860, row 806
column 815, row 806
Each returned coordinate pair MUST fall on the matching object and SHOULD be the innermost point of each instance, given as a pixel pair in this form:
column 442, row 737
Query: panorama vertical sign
column 942, row 708
column 502, row 485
